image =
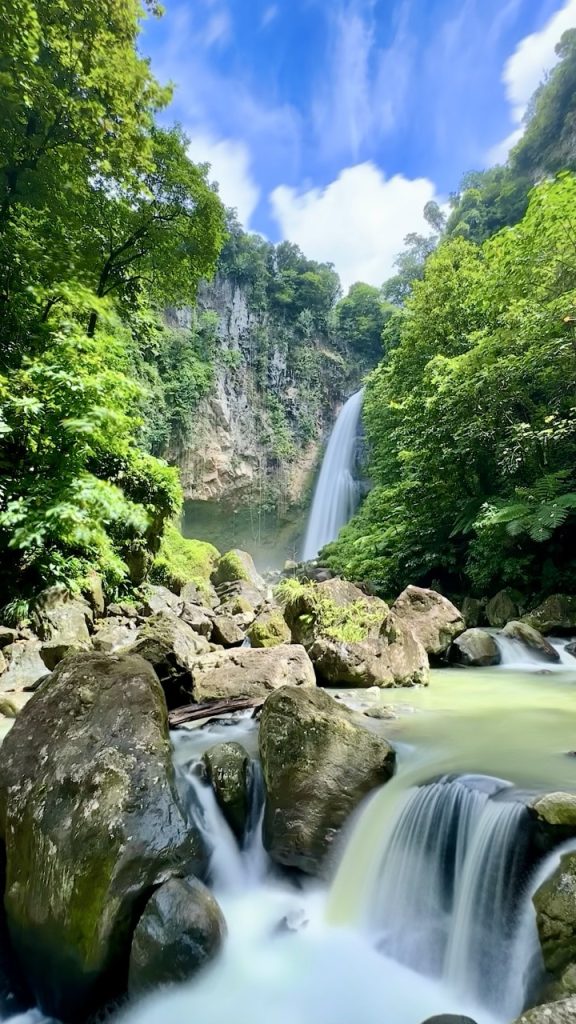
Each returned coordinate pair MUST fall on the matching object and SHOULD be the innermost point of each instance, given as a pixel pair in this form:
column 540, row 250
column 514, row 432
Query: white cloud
column 533, row 58
column 230, row 167
column 217, row 30
column 358, row 222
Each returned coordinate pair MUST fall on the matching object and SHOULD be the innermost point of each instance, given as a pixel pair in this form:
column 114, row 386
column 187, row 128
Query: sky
column 332, row 122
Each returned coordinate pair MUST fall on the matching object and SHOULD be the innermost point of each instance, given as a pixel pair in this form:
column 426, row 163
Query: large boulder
column 250, row 673
column 269, row 629
column 531, row 638
column 242, row 600
column 200, row 619
column 502, row 608
column 562, row 1012
column 62, row 618
column 555, row 903
column 172, row 647
column 556, row 615
column 475, row 647
column 92, row 824
column 227, row 767
column 112, row 634
column 430, row 617
column 334, row 610
column 234, row 566
column 159, row 599
column 23, row 666
column 395, row 658
column 181, row 929
column 226, row 631
column 318, row 764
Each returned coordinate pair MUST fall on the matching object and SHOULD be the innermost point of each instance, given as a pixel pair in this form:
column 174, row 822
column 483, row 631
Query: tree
column 360, row 320
column 549, row 142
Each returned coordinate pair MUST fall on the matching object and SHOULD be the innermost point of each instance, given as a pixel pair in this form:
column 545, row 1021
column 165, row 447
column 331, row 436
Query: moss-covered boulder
column 172, row 647
column 562, row 1012
column 237, row 565
column 182, row 560
column 475, row 647
column 227, row 768
column 503, row 607
column 396, row 658
column 531, row 638
column 251, row 673
column 556, row 615
column 92, row 824
column 334, row 610
column 181, row 929
column 269, row 629
column 430, row 617
column 555, row 903
column 318, row 764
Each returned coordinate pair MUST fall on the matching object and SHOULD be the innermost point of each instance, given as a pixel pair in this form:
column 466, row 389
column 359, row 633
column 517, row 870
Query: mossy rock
column 557, row 614
column 182, row 560
column 236, row 565
column 7, row 708
column 227, row 768
column 92, row 824
column 269, row 629
column 555, row 903
column 334, row 610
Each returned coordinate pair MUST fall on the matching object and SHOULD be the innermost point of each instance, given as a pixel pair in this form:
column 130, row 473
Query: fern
column 540, row 512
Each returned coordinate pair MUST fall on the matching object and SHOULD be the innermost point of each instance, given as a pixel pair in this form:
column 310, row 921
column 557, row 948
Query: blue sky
column 332, row 122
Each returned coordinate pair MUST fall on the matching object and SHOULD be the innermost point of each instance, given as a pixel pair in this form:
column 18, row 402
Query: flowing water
column 337, row 493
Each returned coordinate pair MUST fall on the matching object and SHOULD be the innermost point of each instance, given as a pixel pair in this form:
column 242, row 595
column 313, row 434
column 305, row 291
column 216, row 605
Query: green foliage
column 181, row 560
column 360, row 320
column 549, row 142
column 471, row 423
column 350, row 623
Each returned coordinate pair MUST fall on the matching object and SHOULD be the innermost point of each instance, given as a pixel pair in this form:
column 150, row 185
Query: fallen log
column 211, row 709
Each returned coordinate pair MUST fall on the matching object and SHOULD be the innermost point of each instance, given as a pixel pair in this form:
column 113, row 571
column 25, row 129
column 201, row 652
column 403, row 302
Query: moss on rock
column 181, row 560
column 269, row 630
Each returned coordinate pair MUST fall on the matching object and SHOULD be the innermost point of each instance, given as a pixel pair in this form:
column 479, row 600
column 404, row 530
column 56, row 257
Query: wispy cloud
column 218, row 29
column 270, row 14
column 231, row 169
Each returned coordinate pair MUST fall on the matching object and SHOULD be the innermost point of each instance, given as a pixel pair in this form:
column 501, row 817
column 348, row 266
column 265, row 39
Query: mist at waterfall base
column 430, row 908
column 337, row 493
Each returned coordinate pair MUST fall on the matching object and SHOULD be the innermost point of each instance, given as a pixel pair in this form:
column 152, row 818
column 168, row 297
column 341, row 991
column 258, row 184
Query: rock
column 472, row 611
column 571, row 648
column 430, row 617
column 200, row 619
column 562, row 1012
column 160, row 599
column 449, row 1018
column 502, row 608
column 269, row 629
column 54, row 651
column 318, row 764
column 172, row 648
column 557, row 809
column 237, row 565
column 93, row 591
column 125, row 610
column 191, row 594
column 556, row 615
column 246, row 672
column 334, row 610
column 226, row 631
column 555, row 903
column 25, row 666
column 241, row 599
column 372, row 662
column 7, row 708
column 475, row 647
column 58, row 616
column 91, row 821
column 8, row 636
column 531, row 638
column 181, row 929
column 379, row 713
column 114, row 634
column 227, row 769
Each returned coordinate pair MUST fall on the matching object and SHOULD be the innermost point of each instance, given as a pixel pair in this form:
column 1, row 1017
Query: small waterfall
column 336, row 495
column 517, row 655
column 450, row 875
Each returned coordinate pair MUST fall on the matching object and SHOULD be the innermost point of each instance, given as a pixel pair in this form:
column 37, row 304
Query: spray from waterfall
column 336, row 495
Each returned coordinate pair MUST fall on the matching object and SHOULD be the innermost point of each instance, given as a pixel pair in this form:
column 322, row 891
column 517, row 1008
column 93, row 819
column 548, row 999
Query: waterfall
column 336, row 494
column 517, row 655
column 446, row 887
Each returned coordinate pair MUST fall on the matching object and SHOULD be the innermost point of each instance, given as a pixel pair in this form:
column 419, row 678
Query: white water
column 518, row 656
column 336, row 494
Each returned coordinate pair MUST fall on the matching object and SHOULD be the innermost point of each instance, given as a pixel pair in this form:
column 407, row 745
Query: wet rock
column 475, row 647
column 113, row 634
column 318, row 764
column 172, row 648
column 91, row 821
column 54, row 651
column 531, row 638
column 226, row 631
column 8, row 636
column 555, row 903
column 503, row 608
column 200, row 619
column 562, row 1012
column 160, row 599
column 245, row 672
column 269, row 629
column 25, row 668
column 383, row 714
column 181, row 929
column 571, row 648
column 372, row 662
column 558, row 811
column 430, row 617
column 556, row 615
column 472, row 611
column 241, row 599
column 227, row 770
column 237, row 565
column 7, row 708
column 61, row 618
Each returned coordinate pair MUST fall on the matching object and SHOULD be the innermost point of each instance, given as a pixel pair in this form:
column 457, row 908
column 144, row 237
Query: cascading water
column 517, row 655
column 336, row 495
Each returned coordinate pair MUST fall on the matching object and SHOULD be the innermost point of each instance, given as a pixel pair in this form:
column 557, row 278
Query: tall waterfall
column 336, row 494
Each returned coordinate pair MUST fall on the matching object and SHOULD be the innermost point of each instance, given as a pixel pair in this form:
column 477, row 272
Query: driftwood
column 212, row 709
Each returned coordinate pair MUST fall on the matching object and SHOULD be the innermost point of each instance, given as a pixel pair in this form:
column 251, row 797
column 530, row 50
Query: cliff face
column 257, row 437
